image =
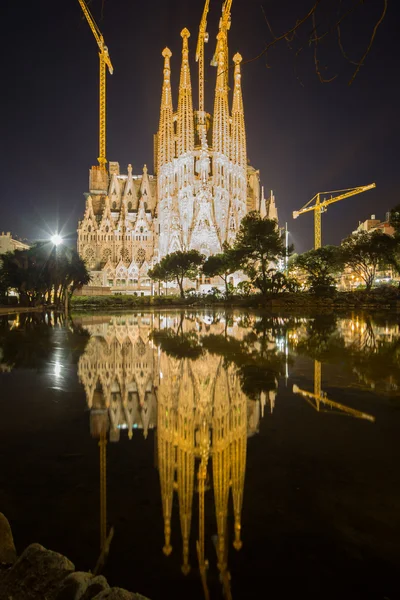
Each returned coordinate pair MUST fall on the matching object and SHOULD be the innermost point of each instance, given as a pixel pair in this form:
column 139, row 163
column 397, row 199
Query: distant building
column 9, row 244
column 350, row 280
column 374, row 224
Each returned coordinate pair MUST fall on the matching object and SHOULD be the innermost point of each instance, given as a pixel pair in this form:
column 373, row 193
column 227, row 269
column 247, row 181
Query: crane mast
column 224, row 26
column 320, row 206
column 319, row 400
column 202, row 39
column 105, row 61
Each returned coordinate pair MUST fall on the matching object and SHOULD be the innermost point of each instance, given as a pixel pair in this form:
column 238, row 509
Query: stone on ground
column 8, row 554
column 96, row 585
column 36, row 575
column 74, row 586
column 116, row 593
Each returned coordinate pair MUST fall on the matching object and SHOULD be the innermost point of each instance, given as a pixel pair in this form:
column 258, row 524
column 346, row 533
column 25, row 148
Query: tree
column 44, row 273
column 221, row 265
column 258, row 245
column 320, row 265
column 158, row 273
column 394, row 219
column 179, row 266
column 364, row 252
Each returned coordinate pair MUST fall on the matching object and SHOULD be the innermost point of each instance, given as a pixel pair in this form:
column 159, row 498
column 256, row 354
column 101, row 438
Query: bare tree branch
column 316, row 61
column 313, row 38
column 385, row 3
column 284, row 35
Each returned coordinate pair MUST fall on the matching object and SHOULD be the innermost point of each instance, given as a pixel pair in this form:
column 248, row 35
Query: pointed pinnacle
column 185, row 33
column 166, row 52
column 237, row 59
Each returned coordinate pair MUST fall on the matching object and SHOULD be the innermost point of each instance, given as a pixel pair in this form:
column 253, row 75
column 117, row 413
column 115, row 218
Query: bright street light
column 56, row 239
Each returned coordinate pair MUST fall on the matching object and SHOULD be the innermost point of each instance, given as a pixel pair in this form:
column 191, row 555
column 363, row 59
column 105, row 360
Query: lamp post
column 286, row 247
column 56, row 239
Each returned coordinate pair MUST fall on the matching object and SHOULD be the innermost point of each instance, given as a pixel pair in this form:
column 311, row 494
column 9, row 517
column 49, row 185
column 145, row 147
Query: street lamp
column 56, row 239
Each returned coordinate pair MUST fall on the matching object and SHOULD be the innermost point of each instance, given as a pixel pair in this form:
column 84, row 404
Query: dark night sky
column 303, row 139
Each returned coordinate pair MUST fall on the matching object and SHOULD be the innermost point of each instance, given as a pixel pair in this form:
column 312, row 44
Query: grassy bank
column 377, row 299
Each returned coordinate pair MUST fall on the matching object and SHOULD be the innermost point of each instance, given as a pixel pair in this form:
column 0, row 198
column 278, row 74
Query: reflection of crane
column 104, row 61
column 202, row 39
column 319, row 397
column 321, row 206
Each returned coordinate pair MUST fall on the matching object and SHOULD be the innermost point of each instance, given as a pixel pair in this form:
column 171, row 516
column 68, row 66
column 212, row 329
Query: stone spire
column 272, row 210
column 166, row 128
column 221, row 108
column 238, row 148
column 185, row 102
column 263, row 206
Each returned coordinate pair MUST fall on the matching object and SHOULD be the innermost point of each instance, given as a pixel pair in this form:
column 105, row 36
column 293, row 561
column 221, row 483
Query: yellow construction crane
column 222, row 37
column 321, row 205
column 319, row 401
column 104, row 61
column 202, row 39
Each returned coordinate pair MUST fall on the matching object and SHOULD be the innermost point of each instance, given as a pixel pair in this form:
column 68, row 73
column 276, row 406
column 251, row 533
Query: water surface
column 226, row 452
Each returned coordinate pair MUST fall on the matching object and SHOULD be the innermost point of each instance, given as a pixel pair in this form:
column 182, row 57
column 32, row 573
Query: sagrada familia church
column 202, row 186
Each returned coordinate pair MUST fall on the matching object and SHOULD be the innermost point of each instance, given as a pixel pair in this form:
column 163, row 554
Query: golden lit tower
column 221, row 108
column 165, row 152
column 185, row 458
column 221, row 463
column 238, row 182
column 238, row 454
column 185, row 102
column 238, row 139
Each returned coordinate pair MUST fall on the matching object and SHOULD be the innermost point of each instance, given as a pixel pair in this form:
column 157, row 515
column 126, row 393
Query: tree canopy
column 320, row 265
column 364, row 252
column 44, row 273
column 178, row 266
column 222, row 265
column 257, row 247
column 394, row 219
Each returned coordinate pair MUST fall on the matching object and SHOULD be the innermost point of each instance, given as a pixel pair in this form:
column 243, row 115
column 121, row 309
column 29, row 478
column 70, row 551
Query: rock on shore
column 41, row 574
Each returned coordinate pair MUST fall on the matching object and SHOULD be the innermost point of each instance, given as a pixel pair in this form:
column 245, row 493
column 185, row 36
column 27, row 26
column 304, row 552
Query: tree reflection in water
column 30, row 340
column 365, row 345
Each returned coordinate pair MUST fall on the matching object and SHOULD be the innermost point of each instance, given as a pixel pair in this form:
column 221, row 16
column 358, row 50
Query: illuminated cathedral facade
column 202, row 186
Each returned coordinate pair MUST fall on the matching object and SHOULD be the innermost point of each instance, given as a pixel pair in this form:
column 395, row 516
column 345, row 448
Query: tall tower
column 185, row 102
column 238, row 191
column 221, row 137
column 165, row 156
column 200, row 207
column 184, row 167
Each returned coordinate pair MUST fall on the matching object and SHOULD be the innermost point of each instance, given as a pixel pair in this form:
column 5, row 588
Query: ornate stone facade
column 202, row 188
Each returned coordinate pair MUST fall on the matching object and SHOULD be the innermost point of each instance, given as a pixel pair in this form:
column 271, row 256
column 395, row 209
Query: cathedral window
column 114, row 205
column 129, row 204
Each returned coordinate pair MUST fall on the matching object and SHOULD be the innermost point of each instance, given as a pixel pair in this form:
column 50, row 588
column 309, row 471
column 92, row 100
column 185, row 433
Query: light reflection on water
column 204, row 382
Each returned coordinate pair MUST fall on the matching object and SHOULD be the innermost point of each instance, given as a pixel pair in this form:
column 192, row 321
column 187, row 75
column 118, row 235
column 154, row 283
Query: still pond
column 219, row 454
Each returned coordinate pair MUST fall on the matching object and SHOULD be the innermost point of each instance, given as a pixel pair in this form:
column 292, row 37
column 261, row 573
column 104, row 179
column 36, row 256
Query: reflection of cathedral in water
column 121, row 369
column 202, row 416
column 118, row 372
